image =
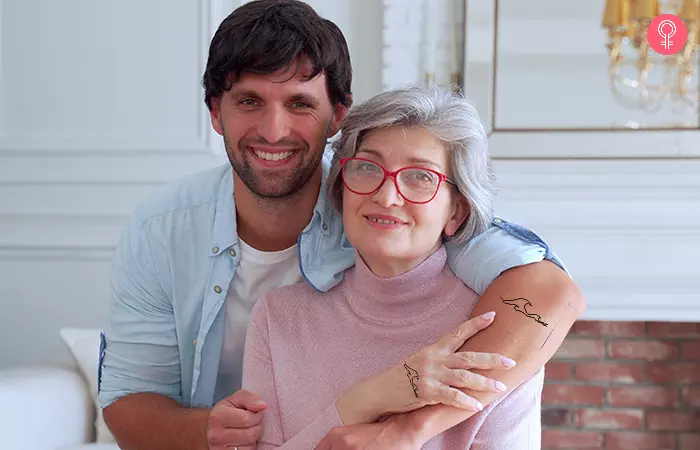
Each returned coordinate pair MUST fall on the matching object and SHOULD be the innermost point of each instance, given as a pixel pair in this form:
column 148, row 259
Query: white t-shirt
column 257, row 273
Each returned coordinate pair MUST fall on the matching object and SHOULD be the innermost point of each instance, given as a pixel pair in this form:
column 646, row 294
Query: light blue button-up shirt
column 175, row 261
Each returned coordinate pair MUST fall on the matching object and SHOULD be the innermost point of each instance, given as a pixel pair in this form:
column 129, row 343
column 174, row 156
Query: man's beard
column 280, row 184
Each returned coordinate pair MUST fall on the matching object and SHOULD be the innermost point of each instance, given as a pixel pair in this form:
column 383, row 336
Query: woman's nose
column 387, row 194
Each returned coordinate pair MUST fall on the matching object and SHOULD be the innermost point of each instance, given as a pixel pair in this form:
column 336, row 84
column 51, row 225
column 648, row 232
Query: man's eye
column 300, row 105
column 247, row 102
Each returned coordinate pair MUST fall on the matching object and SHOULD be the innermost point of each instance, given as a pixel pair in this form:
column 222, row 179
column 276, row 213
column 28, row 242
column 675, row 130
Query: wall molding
column 204, row 140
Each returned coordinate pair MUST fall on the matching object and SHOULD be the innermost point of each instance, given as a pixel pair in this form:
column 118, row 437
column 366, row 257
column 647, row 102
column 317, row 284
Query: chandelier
column 644, row 79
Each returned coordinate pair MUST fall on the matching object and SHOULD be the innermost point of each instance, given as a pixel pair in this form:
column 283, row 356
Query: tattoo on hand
column 520, row 305
column 412, row 375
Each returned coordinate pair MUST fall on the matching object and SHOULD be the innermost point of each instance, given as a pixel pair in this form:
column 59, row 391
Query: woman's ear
column 460, row 212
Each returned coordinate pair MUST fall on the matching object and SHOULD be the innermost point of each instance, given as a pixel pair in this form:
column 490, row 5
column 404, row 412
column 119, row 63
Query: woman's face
column 392, row 234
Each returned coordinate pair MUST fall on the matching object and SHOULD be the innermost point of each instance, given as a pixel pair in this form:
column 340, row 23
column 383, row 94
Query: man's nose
column 388, row 195
column 274, row 124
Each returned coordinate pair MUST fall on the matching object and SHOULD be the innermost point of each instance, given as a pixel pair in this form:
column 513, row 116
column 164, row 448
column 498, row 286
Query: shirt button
column 325, row 227
column 497, row 220
column 217, row 289
column 232, row 252
column 195, row 342
column 215, row 250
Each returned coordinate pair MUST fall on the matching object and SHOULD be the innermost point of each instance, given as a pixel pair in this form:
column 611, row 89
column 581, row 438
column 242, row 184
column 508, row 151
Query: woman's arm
column 529, row 331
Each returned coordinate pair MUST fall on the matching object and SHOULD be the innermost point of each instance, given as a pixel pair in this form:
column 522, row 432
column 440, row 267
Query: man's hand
column 235, row 421
column 398, row 432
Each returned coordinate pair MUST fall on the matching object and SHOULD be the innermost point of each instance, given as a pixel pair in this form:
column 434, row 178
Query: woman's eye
column 368, row 167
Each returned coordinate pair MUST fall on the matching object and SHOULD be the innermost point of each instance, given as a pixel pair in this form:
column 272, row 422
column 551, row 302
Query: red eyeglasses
column 414, row 184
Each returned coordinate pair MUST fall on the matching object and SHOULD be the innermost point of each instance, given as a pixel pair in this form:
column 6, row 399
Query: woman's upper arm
column 535, row 306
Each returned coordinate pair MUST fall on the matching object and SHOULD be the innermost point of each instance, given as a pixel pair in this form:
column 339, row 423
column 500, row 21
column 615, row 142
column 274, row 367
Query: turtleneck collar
column 406, row 299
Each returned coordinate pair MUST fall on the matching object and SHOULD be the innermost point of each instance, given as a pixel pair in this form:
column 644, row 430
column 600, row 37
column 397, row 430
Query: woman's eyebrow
column 412, row 159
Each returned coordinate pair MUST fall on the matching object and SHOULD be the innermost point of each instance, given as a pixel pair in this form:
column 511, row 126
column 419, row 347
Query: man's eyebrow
column 243, row 93
column 412, row 160
column 305, row 98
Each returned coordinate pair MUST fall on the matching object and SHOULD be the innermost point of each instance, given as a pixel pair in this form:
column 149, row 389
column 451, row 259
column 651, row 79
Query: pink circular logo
column 667, row 34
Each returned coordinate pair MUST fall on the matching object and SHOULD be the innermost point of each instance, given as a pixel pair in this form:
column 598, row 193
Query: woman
column 411, row 170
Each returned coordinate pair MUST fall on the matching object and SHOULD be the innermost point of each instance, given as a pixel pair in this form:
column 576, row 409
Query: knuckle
column 250, row 434
column 464, row 375
column 469, row 357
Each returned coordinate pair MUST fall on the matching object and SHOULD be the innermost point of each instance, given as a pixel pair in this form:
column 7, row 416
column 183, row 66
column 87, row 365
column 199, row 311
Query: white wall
column 99, row 105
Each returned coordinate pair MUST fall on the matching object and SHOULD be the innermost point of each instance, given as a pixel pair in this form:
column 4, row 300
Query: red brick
column 691, row 396
column 557, row 371
column 683, row 372
column 610, row 419
column 673, row 420
column 673, row 329
column 646, row 350
column 642, row 396
column 689, row 441
column 563, row 394
column 581, row 348
column 617, row 329
column 632, row 440
column 556, row 417
column 571, row 439
column 690, row 350
column 609, row 371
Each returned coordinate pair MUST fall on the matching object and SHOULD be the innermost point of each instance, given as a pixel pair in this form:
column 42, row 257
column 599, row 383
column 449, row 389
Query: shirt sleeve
column 139, row 351
column 502, row 246
column 515, row 422
column 259, row 378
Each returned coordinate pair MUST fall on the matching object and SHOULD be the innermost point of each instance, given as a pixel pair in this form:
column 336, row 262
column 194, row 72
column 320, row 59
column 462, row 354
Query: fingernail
column 489, row 315
column 479, row 406
column 500, row 386
column 508, row 362
column 259, row 403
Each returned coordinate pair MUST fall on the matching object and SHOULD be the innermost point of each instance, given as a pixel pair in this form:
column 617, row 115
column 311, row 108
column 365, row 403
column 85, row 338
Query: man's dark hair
column 264, row 36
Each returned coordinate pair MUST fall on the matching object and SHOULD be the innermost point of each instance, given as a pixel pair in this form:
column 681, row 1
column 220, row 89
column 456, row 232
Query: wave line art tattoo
column 520, row 305
column 412, row 375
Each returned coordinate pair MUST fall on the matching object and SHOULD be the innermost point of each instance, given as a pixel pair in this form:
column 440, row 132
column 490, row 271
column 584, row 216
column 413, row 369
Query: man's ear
column 339, row 113
column 215, row 115
column 460, row 212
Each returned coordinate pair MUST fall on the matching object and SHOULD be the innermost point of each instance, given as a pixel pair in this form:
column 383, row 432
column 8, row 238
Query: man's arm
column 139, row 384
column 530, row 333
column 154, row 421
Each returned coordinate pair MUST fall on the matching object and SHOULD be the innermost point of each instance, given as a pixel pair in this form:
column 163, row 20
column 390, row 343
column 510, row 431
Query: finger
column 465, row 379
column 246, row 400
column 455, row 339
column 454, row 397
column 478, row 360
column 236, row 418
column 229, row 437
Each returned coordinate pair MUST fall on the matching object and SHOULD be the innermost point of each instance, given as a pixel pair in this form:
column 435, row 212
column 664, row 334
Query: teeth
column 273, row 156
column 374, row 219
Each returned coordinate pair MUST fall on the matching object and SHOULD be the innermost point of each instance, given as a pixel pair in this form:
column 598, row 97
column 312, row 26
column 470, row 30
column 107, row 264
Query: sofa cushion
column 84, row 345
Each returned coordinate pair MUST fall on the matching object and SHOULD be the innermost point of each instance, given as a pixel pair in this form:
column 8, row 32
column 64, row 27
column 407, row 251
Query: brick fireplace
column 624, row 385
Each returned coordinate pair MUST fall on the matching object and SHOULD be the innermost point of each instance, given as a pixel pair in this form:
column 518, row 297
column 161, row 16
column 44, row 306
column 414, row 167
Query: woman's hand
column 433, row 375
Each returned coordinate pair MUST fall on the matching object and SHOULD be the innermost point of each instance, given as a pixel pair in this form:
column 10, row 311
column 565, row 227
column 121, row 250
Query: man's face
column 275, row 128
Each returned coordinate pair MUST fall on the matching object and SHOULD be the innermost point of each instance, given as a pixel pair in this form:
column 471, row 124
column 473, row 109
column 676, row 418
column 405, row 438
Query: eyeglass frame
column 394, row 174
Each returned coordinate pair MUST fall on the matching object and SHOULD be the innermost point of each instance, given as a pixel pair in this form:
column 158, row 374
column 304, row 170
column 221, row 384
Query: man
column 193, row 260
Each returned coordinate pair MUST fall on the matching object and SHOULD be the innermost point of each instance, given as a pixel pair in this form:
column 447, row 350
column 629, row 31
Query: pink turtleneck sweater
column 304, row 348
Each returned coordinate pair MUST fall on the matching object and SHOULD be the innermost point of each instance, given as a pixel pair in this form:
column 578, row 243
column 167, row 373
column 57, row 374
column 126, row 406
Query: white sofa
column 53, row 408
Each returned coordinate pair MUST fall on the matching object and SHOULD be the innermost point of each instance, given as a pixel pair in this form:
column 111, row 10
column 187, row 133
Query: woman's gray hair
column 447, row 115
